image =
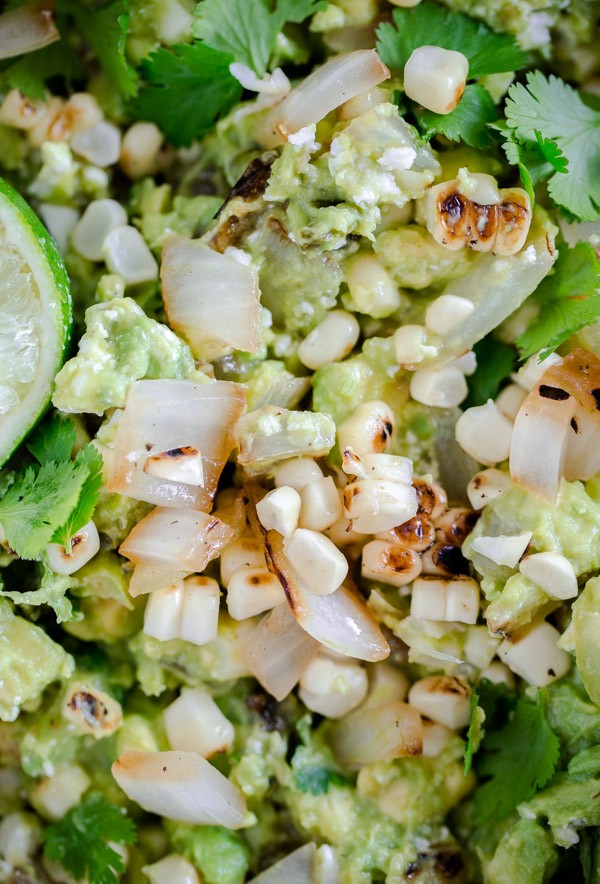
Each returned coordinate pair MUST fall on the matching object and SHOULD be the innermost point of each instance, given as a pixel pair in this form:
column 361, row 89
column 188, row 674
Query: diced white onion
column 297, row 867
column 99, row 219
column 162, row 415
column 503, row 549
column 126, row 253
column 329, row 86
column 321, row 505
column 210, row 297
column 176, row 538
column 27, row 28
column 552, row 572
column 379, row 732
column 194, row 723
column 180, row 786
column 150, row 578
column 277, row 652
column 99, row 145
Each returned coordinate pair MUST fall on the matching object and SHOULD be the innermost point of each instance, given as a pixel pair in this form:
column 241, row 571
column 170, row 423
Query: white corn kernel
column 316, row 560
column 499, row 673
column 372, row 289
column 447, row 312
column 19, row 839
column 503, row 549
column 462, row 600
column 171, row 869
column 411, row 344
column 60, row 221
column 332, row 688
column 552, row 572
column 80, row 112
column 279, row 510
column 99, row 145
column 21, row 112
column 92, row 712
column 84, row 546
column 428, row 599
column 54, row 796
column 484, row 433
column 182, row 464
column 245, row 552
column 435, row 738
column 140, row 150
column 392, row 467
column 486, row 486
column 443, row 698
column 509, row 400
column 374, row 505
column 188, row 609
column 252, row 591
column 389, row 563
column 467, row 363
column 436, row 78
column 386, row 682
column 321, row 505
column 297, row 472
column 535, row 656
column 98, row 220
column 455, row 600
column 330, row 341
column 441, row 388
column 162, row 616
column 194, row 723
column 530, row 374
column 126, row 253
column 368, row 430
column 342, row 533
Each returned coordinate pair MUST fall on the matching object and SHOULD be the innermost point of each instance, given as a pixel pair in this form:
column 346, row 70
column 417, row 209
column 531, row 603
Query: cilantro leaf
column 519, row 758
column 495, row 361
column 105, row 30
column 475, row 732
column 188, row 88
column 88, row 458
column 248, row 29
column 78, row 842
column 38, row 503
column 430, row 25
column 31, row 72
column 569, row 299
column 468, row 121
column 53, row 440
column 546, row 111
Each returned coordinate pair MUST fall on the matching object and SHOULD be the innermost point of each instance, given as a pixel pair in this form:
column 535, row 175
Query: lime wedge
column 35, row 318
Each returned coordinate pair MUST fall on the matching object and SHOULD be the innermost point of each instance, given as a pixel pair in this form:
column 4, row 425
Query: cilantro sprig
column 468, row 121
column 568, row 299
column 53, row 499
column 554, row 135
column 78, row 842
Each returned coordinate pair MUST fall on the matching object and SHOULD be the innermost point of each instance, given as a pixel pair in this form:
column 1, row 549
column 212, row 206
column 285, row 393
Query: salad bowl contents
column 299, row 422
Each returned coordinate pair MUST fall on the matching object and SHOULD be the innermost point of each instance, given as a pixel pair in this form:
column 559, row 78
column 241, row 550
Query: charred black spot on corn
column 554, row 393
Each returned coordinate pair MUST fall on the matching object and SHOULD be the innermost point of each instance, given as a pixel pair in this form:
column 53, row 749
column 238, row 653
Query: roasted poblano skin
column 464, row 744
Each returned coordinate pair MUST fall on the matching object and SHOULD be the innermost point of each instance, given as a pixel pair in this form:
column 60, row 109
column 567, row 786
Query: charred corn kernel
column 503, row 549
column 431, row 499
column 499, row 673
column 279, row 510
column 390, row 563
column 374, row 505
column 84, row 546
column 321, row 505
column 21, row 112
column 333, row 688
column 316, row 560
column 486, row 486
column 412, row 345
column 484, row 433
column 252, row 591
column 436, row 78
column 509, row 400
column 535, row 656
column 372, row 288
column 417, row 534
column 447, row 312
column 194, row 723
column 297, row 472
column 456, row 524
column 443, row 698
column 92, row 711
column 440, row 388
column 552, row 572
column 330, row 341
column 171, row 869
column 140, row 150
column 444, row 560
column 514, row 220
column 368, row 430
column 245, row 552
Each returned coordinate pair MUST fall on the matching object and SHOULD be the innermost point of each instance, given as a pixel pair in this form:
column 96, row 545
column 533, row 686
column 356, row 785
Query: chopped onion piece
column 180, row 786
column 149, row 578
column 210, row 297
column 378, row 733
column 334, row 83
column 176, row 538
column 277, row 652
column 27, row 28
column 297, row 867
column 164, row 415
